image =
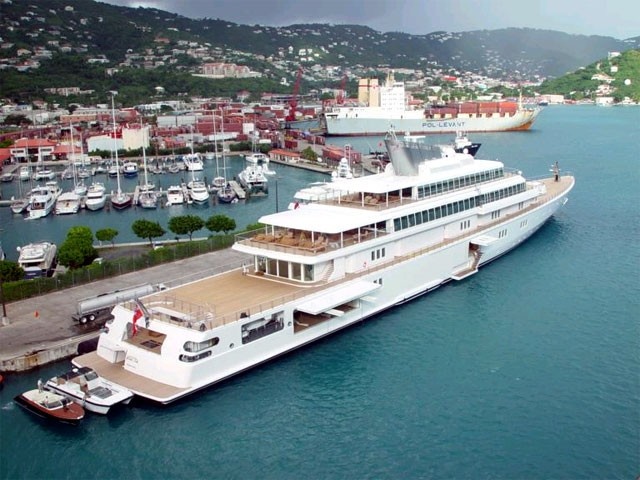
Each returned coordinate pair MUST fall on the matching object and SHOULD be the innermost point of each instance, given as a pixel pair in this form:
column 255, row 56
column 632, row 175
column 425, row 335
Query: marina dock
column 40, row 330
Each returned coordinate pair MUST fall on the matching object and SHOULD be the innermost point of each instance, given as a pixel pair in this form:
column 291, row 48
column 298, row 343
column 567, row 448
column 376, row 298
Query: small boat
column 44, row 174
column 7, row 177
column 24, row 174
column 343, row 170
column 148, row 199
column 198, row 191
column 121, row 200
column 462, row 144
column 96, row 196
column 226, row 194
column 41, row 202
column 84, row 172
column 260, row 159
column 173, row 168
column 67, row 174
column 38, row 259
column 51, row 405
column 193, row 162
column 19, row 205
column 85, row 387
column 130, row 169
column 253, row 180
column 175, row 195
column 67, row 203
column 80, row 189
column 112, row 171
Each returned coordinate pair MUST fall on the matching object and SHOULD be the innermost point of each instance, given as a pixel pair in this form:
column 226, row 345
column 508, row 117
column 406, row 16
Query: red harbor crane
column 293, row 102
column 342, row 92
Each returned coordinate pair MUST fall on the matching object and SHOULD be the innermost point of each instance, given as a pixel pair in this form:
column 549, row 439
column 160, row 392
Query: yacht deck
column 115, row 373
column 236, row 294
column 222, row 299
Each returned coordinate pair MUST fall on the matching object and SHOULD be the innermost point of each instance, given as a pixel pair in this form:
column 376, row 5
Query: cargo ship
column 386, row 109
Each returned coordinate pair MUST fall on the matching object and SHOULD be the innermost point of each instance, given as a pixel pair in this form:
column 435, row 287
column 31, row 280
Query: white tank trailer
column 99, row 307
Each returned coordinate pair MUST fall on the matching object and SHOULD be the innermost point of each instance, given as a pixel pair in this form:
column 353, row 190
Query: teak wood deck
column 228, row 297
column 116, row 373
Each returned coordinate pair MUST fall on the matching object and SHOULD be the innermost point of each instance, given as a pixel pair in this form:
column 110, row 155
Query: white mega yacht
column 431, row 217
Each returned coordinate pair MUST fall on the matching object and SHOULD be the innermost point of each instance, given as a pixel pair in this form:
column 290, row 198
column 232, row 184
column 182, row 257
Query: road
column 39, row 323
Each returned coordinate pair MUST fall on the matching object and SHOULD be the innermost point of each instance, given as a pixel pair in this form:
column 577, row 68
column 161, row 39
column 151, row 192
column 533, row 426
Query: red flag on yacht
column 137, row 314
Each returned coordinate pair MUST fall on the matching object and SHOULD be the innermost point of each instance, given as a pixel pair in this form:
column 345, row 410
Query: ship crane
column 342, row 92
column 293, row 102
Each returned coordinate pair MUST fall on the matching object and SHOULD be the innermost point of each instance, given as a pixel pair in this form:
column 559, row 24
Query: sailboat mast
column 144, row 153
column 115, row 143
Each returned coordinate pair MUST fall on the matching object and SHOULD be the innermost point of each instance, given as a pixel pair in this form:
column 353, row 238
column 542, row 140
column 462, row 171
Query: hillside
column 96, row 47
column 621, row 74
column 102, row 29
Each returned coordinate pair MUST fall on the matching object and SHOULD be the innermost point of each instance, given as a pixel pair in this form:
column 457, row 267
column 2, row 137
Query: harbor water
column 529, row 369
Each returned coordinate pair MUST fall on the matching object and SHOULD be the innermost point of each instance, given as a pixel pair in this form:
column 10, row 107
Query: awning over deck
column 332, row 299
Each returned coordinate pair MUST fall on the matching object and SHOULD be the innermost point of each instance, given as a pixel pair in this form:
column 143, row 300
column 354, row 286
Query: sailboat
column 198, row 190
column 226, row 194
column 69, row 202
column 148, row 198
column 79, row 188
column 119, row 200
column 219, row 181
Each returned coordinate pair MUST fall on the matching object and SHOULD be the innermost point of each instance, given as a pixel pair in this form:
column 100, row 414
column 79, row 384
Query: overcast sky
column 614, row 18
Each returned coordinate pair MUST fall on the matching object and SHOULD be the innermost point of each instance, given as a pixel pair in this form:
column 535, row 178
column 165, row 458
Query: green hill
column 624, row 71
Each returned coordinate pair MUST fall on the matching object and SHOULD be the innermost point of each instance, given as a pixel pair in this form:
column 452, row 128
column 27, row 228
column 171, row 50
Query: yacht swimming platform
column 117, row 374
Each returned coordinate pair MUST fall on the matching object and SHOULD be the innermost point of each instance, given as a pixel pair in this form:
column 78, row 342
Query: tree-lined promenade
column 78, row 253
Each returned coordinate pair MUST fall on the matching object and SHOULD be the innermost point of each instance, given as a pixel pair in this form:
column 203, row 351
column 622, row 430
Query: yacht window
column 198, row 346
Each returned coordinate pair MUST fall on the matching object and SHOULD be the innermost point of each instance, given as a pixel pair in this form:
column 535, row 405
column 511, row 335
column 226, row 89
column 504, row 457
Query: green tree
column 220, row 223
column 185, row 224
column 16, row 119
column 309, row 154
column 10, row 271
column 77, row 250
column 147, row 229
column 107, row 235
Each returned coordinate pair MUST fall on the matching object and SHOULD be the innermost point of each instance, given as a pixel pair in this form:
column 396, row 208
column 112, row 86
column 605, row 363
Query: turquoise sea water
column 529, row 369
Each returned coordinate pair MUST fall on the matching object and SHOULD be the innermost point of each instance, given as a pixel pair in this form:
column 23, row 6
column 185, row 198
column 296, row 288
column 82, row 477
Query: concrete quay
column 40, row 330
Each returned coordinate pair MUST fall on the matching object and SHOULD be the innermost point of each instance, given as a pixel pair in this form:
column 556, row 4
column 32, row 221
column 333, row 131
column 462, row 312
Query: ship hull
column 428, row 268
column 361, row 122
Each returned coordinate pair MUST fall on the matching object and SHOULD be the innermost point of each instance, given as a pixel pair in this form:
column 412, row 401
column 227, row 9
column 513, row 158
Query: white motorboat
column 148, row 199
column 38, row 259
column 384, row 240
column 198, row 191
column 193, row 162
column 7, row 177
column 19, row 205
column 41, row 202
column 86, row 388
column 343, row 170
column 96, row 196
column 44, row 173
column 253, row 180
column 67, row 203
column 130, row 169
column 175, row 195
column 260, row 159
column 24, row 174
